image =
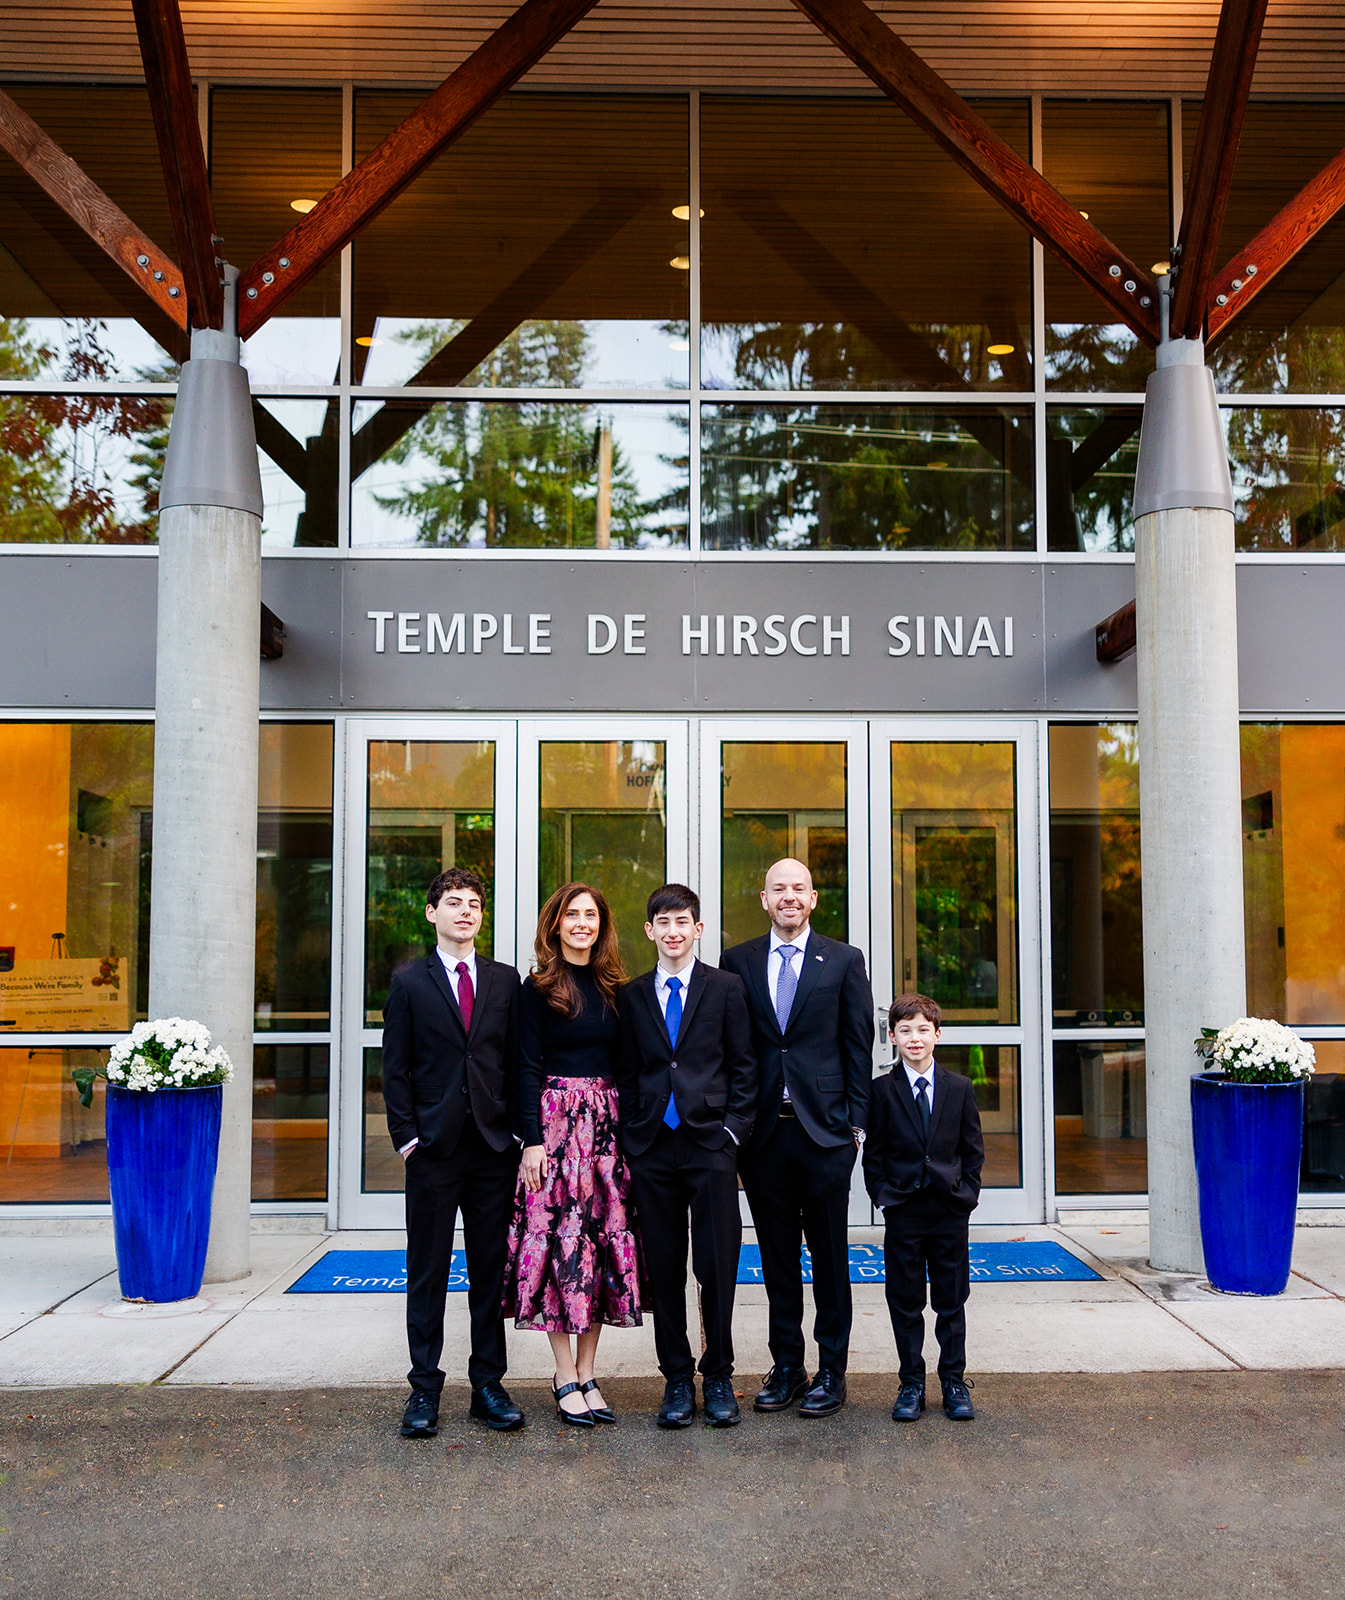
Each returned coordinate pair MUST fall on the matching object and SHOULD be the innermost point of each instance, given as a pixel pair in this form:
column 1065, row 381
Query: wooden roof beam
column 1253, row 269
column 494, row 66
column 163, row 50
column 1230, row 81
column 1016, row 185
column 92, row 212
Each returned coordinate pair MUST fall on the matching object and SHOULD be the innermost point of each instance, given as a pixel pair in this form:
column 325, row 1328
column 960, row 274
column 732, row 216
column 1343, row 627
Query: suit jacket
column 714, row 1066
column 433, row 1069
column 825, row 1054
column 898, row 1163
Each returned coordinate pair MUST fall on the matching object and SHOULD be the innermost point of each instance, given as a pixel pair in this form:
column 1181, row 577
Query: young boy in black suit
column 687, row 1080
column 922, row 1166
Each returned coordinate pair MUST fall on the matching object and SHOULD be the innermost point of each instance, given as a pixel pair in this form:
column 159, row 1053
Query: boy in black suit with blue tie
column 922, row 1168
column 687, row 1078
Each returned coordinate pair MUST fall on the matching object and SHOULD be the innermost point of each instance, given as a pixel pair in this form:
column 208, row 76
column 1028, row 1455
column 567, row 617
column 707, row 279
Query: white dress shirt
column 775, row 964
column 454, row 979
column 661, row 990
column 913, row 1078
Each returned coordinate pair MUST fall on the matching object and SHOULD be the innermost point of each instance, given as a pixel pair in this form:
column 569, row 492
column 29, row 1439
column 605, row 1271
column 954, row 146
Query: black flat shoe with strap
column 598, row 1413
column 576, row 1419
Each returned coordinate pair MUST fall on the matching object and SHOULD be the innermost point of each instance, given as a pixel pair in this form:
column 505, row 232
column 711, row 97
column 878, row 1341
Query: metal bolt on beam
column 268, row 278
column 158, row 277
column 173, row 291
column 1113, row 271
column 1251, row 269
column 252, row 294
column 285, row 261
column 142, row 261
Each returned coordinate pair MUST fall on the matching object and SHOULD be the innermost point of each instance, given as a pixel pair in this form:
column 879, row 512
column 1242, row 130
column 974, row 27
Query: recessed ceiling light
column 682, row 263
column 367, row 340
column 679, row 344
column 683, row 213
column 1160, row 267
column 1000, row 349
column 302, row 206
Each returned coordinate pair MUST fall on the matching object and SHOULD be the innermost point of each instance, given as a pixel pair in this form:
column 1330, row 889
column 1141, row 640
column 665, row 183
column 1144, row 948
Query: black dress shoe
column 780, row 1388
column 910, row 1403
column 957, row 1406
column 679, row 1403
column 420, row 1420
column 826, row 1396
column 598, row 1413
column 721, row 1404
column 491, row 1404
column 576, row 1419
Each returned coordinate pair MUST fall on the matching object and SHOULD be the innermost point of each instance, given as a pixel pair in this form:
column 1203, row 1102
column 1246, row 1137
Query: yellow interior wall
column 34, row 835
column 1312, row 777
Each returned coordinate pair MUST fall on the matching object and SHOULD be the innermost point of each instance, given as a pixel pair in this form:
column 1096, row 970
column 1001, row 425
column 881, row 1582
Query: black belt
column 787, row 1110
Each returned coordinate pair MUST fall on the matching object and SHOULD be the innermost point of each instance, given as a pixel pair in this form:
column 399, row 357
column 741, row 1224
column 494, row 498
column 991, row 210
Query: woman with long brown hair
column 574, row 1260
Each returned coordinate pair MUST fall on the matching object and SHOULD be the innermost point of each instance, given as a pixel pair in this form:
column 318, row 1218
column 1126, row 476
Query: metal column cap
column 1183, row 462
column 212, row 445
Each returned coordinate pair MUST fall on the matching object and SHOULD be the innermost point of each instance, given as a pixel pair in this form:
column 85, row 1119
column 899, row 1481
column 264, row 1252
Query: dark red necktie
column 466, row 997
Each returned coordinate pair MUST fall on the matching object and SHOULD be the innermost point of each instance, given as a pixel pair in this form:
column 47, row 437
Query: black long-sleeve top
column 552, row 1045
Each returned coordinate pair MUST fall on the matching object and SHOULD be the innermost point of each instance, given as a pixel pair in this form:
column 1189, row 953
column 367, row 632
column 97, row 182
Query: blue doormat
column 384, row 1271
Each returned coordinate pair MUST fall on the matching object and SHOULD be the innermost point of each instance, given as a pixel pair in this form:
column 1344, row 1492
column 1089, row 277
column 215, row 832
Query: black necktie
column 922, row 1100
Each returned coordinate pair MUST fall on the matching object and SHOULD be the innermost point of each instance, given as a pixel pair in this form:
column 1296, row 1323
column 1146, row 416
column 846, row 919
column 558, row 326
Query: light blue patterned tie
column 673, row 1021
column 787, row 984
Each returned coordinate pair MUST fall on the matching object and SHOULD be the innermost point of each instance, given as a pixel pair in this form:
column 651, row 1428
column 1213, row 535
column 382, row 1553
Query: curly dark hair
column 454, row 878
column 551, row 976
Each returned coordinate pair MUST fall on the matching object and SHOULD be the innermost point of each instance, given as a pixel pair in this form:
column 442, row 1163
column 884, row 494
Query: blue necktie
column 786, row 984
column 672, row 1018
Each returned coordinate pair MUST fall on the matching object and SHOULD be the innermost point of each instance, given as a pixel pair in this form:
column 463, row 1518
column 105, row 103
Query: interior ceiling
column 979, row 46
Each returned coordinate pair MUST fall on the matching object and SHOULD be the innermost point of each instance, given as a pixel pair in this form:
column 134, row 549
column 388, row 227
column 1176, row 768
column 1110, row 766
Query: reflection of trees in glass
column 1095, row 514
column 1289, row 476
column 840, row 355
column 62, row 455
column 1096, row 355
column 819, row 477
column 523, row 474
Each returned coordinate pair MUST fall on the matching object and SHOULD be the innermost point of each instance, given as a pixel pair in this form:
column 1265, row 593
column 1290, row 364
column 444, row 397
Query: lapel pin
column 817, row 958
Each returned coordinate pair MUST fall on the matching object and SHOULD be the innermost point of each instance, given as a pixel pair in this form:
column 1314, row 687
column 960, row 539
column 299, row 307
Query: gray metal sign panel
column 629, row 634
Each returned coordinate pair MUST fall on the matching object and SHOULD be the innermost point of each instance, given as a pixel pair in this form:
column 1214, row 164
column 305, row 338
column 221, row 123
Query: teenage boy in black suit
column 687, row 1079
column 450, row 1072
column 812, row 1025
column 922, row 1166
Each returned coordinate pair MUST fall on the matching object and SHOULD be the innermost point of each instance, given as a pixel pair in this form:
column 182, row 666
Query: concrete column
column 1190, row 784
column 203, row 923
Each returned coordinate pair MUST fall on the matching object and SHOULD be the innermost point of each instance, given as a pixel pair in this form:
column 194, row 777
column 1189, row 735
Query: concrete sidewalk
column 63, row 1322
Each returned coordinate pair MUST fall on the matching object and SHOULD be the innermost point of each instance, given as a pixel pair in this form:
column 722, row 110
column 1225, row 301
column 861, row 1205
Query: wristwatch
column 859, row 1135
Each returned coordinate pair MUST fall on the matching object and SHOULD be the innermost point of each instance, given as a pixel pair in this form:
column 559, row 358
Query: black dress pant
column 676, row 1179
column 922, row 1236
column 478, row 1181
column 801, row 1190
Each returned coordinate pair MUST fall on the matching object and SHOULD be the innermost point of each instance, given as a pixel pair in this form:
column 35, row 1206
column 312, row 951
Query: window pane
column 69, row 305
column 269, row 147
column 782, row 800
column 1097, row 956
column 79, row 468
column 1293, row 864
column 294, row 876
column 603, row 820
column 1288, row 467
column 954, row 890
column 431, row 806
column 519, row 475
column 1323, row 1169
column 51, row 1148
column 842, row 249
column 383, row 1170
column 842, row 478
column 1090, row 478
column 1111, row 160
column 993, row 1070
column 1100, row 1145
column 289, row 1122
column 75, row 829
column 1292, row 338
column 541, row 249
column 297, row 448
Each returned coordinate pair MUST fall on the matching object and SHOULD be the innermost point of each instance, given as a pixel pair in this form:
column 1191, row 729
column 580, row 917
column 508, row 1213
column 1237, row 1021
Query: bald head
column 788, row 897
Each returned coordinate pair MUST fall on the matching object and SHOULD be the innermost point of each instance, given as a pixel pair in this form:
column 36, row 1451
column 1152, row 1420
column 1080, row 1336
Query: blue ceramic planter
column 161, row 1155
column 1248, row 1141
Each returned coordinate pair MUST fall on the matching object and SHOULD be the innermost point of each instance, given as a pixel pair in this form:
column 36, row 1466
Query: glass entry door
column 422, row 795
column 954, row 868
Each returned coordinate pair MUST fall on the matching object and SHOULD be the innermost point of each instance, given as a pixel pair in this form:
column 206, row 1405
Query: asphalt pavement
column 1198, row 1484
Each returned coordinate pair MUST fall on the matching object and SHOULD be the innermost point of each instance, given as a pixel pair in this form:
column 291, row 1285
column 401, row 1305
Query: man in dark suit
column 450, row 1072
column 687, row 1079
column 812, row 1024
column 922, row 1165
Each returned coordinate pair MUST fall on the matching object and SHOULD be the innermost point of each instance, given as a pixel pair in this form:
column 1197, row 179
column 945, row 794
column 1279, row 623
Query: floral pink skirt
column 574, row 1257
